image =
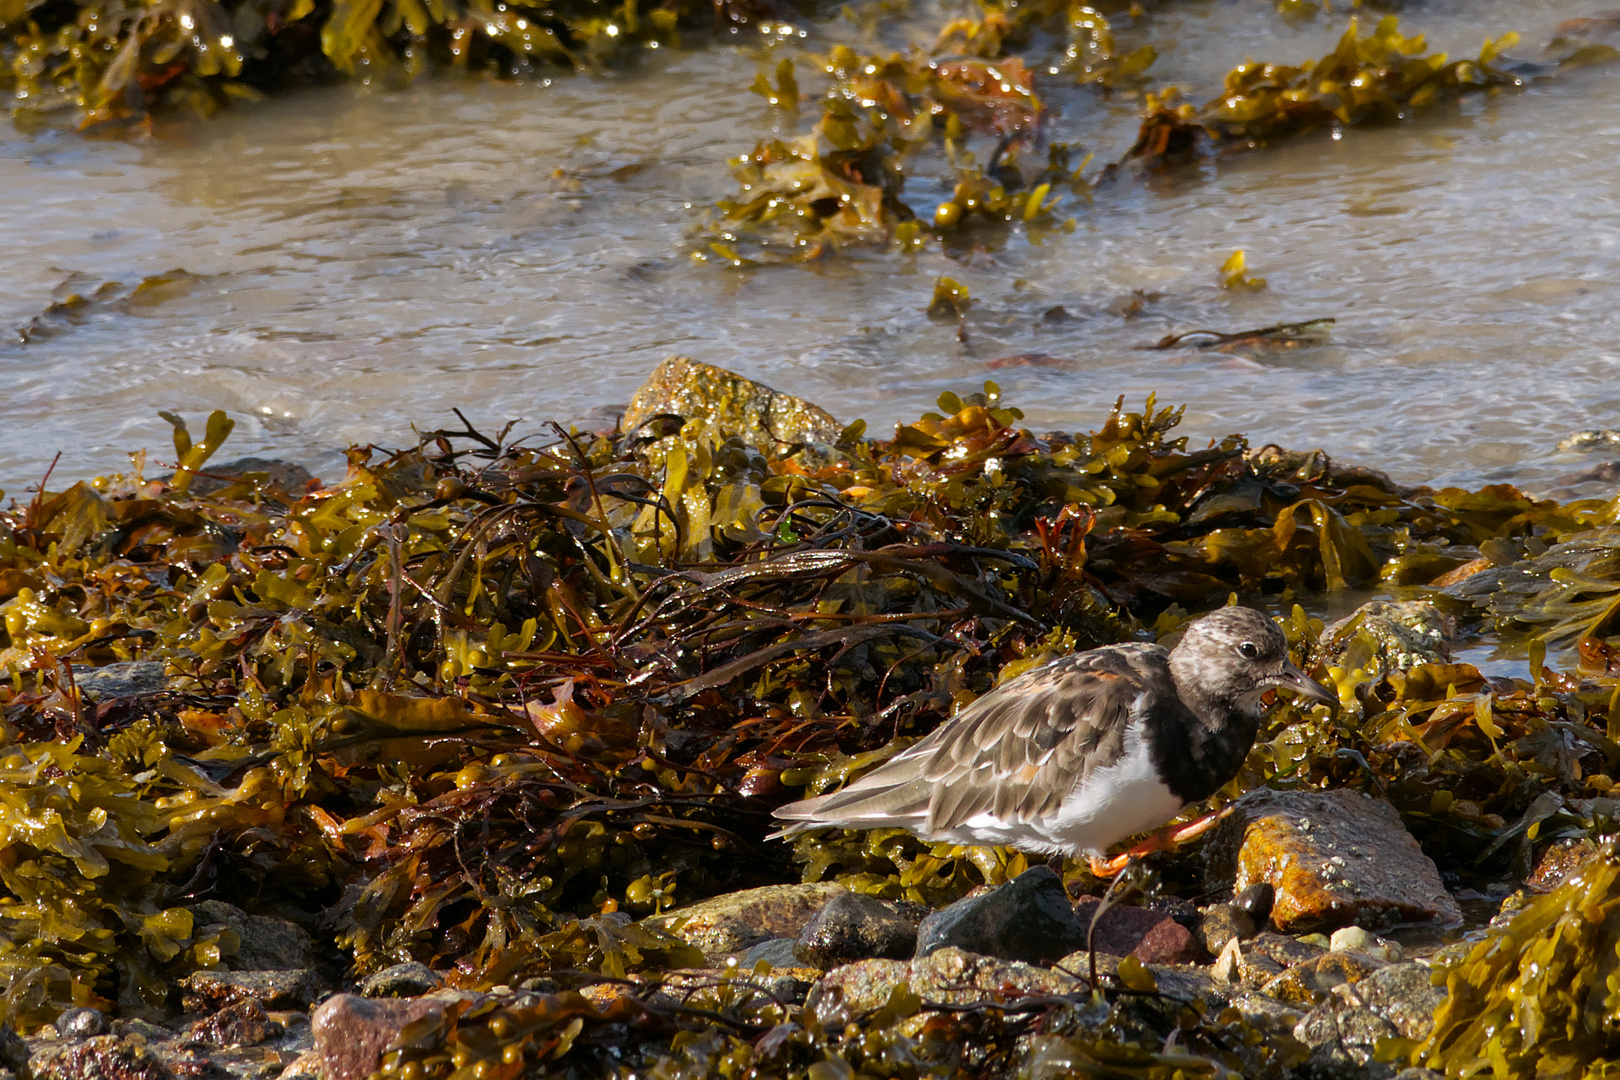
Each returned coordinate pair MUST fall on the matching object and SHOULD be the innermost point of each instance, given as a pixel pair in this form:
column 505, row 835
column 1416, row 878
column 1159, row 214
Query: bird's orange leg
column 1163, row 840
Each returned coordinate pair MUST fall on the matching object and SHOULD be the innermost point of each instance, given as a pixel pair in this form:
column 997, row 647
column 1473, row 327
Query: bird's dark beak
column 1291, row 678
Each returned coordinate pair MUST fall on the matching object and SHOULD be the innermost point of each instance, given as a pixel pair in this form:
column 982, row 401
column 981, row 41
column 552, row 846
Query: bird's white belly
column 1114, row 802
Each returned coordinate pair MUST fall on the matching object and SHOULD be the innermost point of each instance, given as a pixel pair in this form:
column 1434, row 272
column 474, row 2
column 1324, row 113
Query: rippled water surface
column 363, row 261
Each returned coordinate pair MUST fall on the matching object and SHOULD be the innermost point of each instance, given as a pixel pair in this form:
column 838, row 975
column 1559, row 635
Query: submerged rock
column 740, row 920
column 1029, row 918
column 1335, row 858
column 731, row 405
column 854, row 926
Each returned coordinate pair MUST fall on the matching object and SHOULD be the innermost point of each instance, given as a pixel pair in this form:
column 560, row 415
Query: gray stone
column 101, row 1057
column 409, row 979
column 1222, row 923
column 351, row 1032
column 265, row 942
column 855, row 926
column 1029, row 918
column 1403, row 994
column 81, row 1023
column 741, row 920
column 1343, row 1031
column 130, row 678
column 778, row 952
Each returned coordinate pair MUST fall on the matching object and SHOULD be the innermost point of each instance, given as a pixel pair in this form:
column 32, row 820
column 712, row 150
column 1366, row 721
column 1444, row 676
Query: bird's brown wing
column 1017, row 752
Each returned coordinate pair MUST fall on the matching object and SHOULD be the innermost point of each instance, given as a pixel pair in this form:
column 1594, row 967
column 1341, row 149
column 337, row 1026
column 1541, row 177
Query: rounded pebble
column 81, row 1023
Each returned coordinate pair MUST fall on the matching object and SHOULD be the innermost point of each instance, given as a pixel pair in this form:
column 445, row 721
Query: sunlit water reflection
column 366, row 261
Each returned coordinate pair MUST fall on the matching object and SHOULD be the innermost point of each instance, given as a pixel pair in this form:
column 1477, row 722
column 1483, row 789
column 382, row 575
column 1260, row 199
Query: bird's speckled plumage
column 1083, row 751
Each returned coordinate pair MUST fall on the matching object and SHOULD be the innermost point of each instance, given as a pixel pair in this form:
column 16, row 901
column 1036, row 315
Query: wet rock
column 212, row 990
column 101, row 1057
column 1029, row 919
column 265, row 942
column 1121, row 929
column 351, row 1032
column 132, row 678
column 1255, row 902
column 1591, row 439
column 287, row 475
column 1387, row 635
column 1343, row 1031
column 740, row 920
column 1561, row 859
column 1335, row 858
column 1222, row 923
column 729, row 988
column 1355, row 939
column 241, row 1024
column 81, row 1023
column 1170, row 943
column 1245, row 967
column 1285, row 950
column 1308, row 983
column 729, row 404
column 14, row 1054
column 409, row 979
column 778, row 952
column 854, row 926
column 948, row 976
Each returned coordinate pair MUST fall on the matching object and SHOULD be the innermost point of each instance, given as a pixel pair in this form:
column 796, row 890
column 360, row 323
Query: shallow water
column 365, row 260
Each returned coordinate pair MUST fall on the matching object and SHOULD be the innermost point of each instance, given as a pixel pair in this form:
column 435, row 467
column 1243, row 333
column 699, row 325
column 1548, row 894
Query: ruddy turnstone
column 1082, row 752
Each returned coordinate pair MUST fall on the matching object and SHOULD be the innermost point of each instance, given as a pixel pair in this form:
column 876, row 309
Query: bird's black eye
column 1249, row 650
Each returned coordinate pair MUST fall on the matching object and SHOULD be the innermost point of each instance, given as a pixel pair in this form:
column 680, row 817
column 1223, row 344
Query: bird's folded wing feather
column 1017, row 752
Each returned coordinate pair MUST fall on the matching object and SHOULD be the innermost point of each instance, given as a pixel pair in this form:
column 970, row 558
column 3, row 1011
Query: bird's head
column 1233, row 656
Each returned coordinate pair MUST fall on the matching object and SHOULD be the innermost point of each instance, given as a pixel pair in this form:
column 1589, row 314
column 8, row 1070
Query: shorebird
column 1080, row 753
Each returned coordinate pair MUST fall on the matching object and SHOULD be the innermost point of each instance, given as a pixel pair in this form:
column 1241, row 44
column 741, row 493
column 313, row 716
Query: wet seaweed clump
column 95, row 61
column 1379, row 78
column 488, row 704
column 1536, row 997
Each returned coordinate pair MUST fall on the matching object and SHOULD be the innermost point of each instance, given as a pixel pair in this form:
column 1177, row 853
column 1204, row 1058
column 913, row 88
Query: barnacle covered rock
column 1335, row 858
